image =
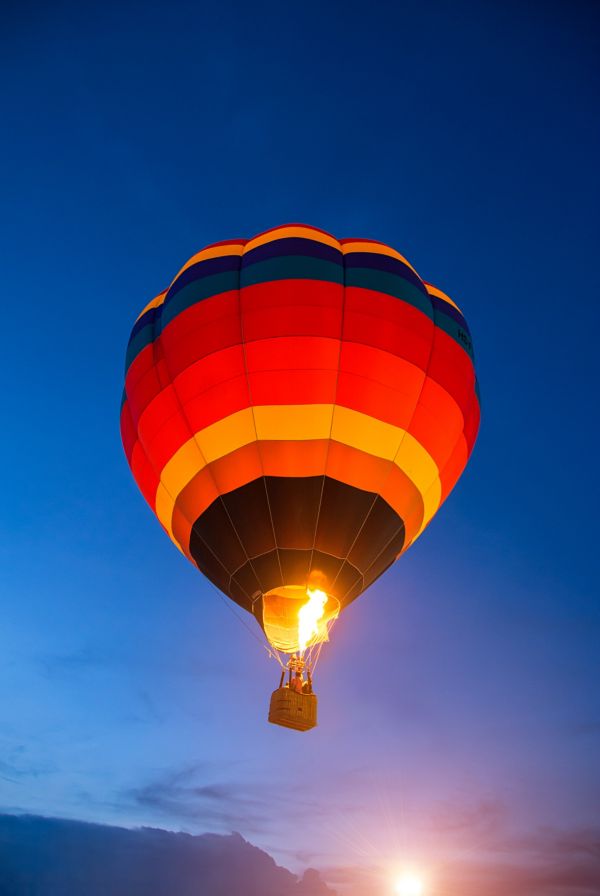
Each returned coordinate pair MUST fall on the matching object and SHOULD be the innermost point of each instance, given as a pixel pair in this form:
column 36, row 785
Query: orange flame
column 309, row 616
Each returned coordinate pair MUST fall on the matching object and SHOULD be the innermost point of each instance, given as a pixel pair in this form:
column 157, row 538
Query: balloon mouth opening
column 295, row 618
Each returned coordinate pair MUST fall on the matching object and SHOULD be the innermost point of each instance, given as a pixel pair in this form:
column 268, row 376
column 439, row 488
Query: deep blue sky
column 459, row 697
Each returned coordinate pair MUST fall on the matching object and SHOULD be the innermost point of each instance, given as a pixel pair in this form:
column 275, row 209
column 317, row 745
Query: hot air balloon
column 296, row 409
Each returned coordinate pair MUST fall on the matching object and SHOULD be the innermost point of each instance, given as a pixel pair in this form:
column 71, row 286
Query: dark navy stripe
column 449, row 310
column 303, row 267
column 206, row 268
column 292, row 247
column 383, row 263
column 147, row 318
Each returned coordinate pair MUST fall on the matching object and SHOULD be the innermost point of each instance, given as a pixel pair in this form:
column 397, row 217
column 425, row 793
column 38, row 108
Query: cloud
column 184, row 794
column 17, row 765
column 180, row 795
column 72, row 858
column 74, row 664
column 221, row 797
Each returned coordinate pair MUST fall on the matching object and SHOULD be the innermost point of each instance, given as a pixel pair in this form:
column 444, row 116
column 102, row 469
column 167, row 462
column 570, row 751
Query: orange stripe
column 200, row 398
column 353, row 245
column 291, row 230
column 292, row 459
column 434, row 291
column 153, row 303
column 215, row 250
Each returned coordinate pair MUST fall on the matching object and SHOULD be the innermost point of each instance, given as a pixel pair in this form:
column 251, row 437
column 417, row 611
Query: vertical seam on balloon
column 193, row 436
column 334, row 405
column 466, row 417
column 382, row 551
column 393, row 460
column 257, row 442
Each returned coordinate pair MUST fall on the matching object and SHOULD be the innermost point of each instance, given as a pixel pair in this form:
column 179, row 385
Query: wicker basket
column 293, row 710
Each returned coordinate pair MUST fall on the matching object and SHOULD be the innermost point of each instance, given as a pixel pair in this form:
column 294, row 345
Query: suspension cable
column 263, row 643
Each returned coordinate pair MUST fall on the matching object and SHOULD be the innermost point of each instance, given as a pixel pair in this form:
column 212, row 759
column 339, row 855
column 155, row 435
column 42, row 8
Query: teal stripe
column 292, row 267
column 391, row 285
column 139, row 342
column 204, row 288
column 195, row 292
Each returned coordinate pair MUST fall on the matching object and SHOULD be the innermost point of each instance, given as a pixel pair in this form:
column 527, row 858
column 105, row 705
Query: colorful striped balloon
column 296, row 410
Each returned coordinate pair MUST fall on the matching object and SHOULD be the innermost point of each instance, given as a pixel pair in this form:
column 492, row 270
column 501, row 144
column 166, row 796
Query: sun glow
column 309, row 616
column 409, row 885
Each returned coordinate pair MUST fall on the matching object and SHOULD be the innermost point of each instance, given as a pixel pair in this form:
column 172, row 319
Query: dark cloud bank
column 52, row 857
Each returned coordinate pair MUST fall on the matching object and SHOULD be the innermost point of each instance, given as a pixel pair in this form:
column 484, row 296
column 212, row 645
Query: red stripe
column 210, row 371
column 293, row 387
column 206, row 327
column 387, row 323
column 454, row 467
column 224, row 243
column 140, row 365
column 284, row 226
column 380, row 366
column 437, row 423
column 292, row 353
column 452, row 368
column 144, row 391
column 216, row 403
column 292, row 308
column 161, row 442
column 472, row 424
column 144, row 474
column 128, row 431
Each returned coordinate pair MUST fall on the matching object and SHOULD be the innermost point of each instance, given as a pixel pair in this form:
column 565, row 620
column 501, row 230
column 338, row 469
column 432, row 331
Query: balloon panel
column 297, row 405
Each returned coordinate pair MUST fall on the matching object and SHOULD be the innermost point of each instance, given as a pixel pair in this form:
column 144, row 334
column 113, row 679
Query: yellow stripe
column 164, row 511
column 183, row 466
column 376, row 249
column 434, row 291
column 421, row 468
column 235, row 430
column 296, row 423
column 283, row 232
column 365, row 433
column 293, row 423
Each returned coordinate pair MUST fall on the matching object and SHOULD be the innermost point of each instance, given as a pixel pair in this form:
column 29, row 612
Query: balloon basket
column 293, row 710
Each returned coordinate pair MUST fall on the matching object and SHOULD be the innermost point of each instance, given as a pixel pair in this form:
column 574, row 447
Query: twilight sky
column 459, row 707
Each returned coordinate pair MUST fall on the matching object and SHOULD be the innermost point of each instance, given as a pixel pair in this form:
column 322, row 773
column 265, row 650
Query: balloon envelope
column 296, row 410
